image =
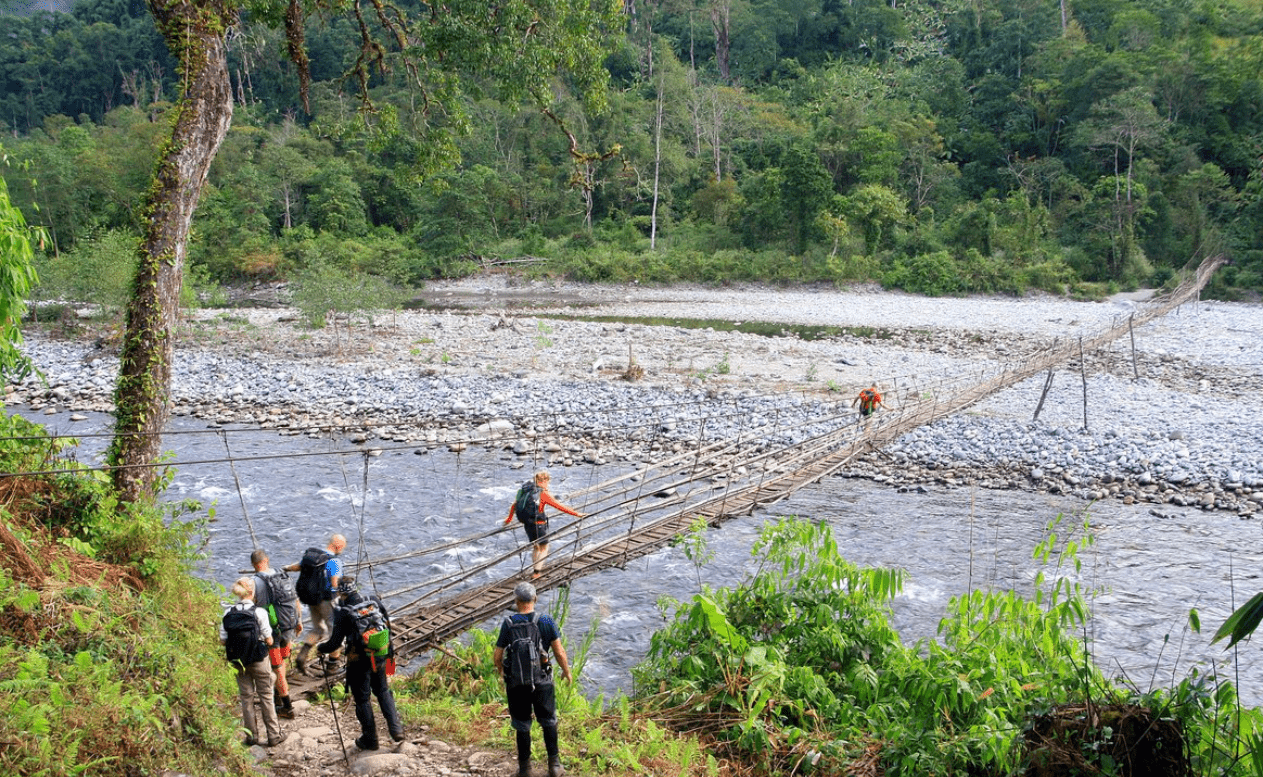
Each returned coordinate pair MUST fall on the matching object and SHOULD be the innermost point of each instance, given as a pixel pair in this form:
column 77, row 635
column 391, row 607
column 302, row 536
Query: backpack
column 314, row 585
column 244, row 644
column 282, row 614
column 371, row 626
column 869, row 399
column 525, row 663
column 526, row 504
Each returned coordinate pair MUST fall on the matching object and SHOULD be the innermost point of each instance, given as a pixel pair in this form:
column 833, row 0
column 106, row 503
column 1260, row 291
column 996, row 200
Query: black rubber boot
column 554, row 756
column 523, row 754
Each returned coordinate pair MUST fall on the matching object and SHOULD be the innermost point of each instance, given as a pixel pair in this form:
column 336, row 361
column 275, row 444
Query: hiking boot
column 301, row 664
column 523, row 753
column 397, row 737
column 364, row 745
column 250, row 741
column 554, row 767
column 277, row 741
column 285, row 712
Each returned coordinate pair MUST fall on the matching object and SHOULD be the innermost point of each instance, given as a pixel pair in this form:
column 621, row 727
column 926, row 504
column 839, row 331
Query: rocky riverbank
column 615, row 374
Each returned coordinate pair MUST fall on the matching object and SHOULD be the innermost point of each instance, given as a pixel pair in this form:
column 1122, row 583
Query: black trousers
column 365, row 682
column 523, row 700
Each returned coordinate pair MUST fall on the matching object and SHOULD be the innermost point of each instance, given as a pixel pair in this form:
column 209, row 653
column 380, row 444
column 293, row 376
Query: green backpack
column 370, row 625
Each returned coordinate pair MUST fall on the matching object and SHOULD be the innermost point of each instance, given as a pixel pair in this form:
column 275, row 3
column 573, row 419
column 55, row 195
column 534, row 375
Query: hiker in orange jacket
column 536, row 525
column 869, row 400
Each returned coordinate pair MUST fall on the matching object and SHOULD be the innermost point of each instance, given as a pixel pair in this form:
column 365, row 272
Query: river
column 1148, row 570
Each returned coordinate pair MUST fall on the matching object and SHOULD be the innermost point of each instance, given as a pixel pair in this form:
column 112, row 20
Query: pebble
column 1191, row 426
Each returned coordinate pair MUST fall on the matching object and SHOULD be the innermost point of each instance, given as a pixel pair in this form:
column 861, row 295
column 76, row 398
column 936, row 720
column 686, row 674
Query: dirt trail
column 312, row 748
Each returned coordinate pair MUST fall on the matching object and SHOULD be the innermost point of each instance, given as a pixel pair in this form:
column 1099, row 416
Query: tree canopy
column 1007, row 143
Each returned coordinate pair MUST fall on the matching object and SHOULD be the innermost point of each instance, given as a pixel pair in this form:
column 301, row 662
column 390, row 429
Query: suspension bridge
column 637, row 513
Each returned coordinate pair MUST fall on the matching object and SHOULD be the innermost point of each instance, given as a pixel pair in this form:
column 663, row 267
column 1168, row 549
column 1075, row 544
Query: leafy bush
column 798, row 670
column 324, row 289
column 778, row 665
column 935, row 274
column 109, row 661
column 97, row 272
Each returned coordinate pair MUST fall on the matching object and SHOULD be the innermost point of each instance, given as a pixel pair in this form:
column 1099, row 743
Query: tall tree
column 1121, row 125
column 195, row 33
column 520, row 45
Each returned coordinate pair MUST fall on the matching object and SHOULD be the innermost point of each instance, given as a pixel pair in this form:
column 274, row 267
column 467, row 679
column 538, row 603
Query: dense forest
column 939, row 146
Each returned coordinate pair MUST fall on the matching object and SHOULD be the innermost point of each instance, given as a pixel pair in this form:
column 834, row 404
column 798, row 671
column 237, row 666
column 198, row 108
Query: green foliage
column 799, row 666
column 325, row 290
column 1243, row 621
column 97, row 272
column 17, row 276
column 113, row 664
column 695, row 547
column 861, row 143
column 935, row 274
column 792, row 647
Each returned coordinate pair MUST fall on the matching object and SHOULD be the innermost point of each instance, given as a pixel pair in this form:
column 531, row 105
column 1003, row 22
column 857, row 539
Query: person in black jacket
column 365, row 673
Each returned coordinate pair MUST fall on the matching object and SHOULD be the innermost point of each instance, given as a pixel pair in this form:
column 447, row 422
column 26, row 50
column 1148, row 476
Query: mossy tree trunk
column 194, row 31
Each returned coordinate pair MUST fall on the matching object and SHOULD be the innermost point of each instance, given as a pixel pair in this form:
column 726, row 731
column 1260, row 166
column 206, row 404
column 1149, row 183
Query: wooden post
column 1083, row 370
column 1135, row 371
column 1047, row 385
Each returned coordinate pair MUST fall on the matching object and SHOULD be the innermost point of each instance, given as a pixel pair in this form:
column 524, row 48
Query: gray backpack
column 525, row 663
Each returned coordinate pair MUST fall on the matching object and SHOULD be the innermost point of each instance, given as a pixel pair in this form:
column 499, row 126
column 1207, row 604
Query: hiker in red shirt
column 868, row 400
column 528, row 507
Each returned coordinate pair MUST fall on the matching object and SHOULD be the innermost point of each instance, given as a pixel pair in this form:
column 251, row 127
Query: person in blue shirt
column 540, row 698
column 322, row 612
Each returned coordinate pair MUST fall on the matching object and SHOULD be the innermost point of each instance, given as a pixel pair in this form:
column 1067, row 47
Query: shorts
column 537, row 532
column 278, row 654
column 281, row 640
column 865, row 412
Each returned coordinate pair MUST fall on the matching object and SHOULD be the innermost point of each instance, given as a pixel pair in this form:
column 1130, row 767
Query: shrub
column 109, row 661
column 97, row 272
column 935, row 274
column 798, row 670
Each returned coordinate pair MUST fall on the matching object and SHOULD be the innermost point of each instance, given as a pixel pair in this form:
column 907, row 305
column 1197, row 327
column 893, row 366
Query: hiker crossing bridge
column 637, row 513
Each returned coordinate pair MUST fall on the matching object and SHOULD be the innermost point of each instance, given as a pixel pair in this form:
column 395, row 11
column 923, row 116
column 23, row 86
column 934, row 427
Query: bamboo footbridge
column 635, row 514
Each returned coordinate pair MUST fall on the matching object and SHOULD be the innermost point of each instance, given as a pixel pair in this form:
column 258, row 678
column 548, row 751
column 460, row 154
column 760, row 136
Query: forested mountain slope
column 951, row 146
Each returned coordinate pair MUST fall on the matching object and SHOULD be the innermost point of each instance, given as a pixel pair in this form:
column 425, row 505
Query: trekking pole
column 336, row 725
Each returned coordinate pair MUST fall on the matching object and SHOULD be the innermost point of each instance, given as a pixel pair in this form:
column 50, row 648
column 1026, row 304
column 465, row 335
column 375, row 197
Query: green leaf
column 1241, row 623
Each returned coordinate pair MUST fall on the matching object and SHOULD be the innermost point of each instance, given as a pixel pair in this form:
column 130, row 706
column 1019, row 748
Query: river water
column 1148, row 570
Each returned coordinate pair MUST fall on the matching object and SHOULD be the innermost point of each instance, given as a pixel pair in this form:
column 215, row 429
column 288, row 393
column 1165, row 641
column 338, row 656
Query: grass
column 109, row 660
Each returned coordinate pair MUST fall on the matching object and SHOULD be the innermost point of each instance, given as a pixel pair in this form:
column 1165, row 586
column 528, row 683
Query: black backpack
column 282, row 614
column 525, row 663
column 314, row 585
column 372, row 628
column 244, row 644
column 526, row 504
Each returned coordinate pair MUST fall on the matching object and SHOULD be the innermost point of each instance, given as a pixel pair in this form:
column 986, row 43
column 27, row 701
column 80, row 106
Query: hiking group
column 267, row 618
